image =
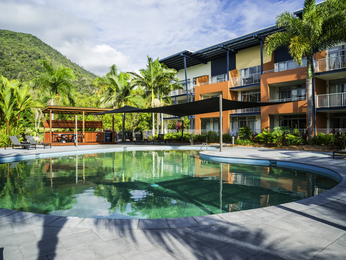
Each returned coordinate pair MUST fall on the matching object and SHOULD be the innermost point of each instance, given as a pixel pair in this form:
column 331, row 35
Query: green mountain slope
column 20, row 54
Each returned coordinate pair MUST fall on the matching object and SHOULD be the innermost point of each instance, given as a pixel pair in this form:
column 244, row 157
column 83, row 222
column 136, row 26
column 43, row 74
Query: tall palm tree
column 116, row 90
column 157, row 81
column 321, row 26
column 56, row 84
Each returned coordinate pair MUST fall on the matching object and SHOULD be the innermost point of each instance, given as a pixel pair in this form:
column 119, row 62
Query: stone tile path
column 314, row 228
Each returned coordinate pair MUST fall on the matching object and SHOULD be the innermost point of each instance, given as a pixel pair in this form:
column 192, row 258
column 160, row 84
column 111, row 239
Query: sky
column 98, row 33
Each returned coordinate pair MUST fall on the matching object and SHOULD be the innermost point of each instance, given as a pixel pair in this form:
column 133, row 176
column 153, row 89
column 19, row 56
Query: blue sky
column 98, row 33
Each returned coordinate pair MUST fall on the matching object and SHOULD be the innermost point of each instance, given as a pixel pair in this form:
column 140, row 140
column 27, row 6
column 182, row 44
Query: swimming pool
column 149, row 184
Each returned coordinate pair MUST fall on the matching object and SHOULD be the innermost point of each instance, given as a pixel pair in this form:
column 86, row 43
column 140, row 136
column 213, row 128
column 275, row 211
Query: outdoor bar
column 75, row 137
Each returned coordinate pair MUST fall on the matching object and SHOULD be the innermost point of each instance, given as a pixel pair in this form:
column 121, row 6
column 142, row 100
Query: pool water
column 148, row 184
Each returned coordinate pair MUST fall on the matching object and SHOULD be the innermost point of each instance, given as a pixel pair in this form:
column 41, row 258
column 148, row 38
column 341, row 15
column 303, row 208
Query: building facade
column 241, row 70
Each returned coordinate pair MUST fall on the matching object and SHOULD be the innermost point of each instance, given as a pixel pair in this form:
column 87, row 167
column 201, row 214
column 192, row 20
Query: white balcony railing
column 331, row 63
column 331, row 100
column 288, row 99
column 247, row 110
column 286, row 65
column 182, row 91
column 218, row 78
column 245, row 80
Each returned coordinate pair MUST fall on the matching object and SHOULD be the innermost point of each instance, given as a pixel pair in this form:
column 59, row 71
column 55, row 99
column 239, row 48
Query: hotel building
column 241, row 70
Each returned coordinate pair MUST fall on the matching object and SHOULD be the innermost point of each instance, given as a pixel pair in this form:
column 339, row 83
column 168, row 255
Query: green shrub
column 226, row 138
column 245, row 133
column 243, row 142
column 323, row 139
column 264, row 137
column 213, row 137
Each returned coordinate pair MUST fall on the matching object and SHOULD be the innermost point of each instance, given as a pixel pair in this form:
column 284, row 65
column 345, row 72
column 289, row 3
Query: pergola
column 73, row 124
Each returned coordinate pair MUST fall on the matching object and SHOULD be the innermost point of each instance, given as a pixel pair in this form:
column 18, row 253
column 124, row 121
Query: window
column 337, row 120
column 251, row 75
column 337, row 86
column 210, row 124
column 251, row 96
column 337, row 57
column 238, row 122
column 293, row 121
column 292, row 93
column 183, row 83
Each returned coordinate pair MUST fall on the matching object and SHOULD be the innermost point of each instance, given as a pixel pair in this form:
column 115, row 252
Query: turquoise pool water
column 148, row 184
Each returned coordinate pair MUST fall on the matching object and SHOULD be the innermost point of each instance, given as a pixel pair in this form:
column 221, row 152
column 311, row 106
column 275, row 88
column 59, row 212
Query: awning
column 194, row 108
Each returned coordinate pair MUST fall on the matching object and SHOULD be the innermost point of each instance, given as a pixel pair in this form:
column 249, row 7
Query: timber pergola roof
column 74, row 110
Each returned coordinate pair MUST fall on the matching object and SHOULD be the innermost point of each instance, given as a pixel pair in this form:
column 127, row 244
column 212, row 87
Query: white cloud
column 99, row 33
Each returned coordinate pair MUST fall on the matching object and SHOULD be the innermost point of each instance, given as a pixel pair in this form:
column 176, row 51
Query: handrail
column 331, row 100
column 331, row 63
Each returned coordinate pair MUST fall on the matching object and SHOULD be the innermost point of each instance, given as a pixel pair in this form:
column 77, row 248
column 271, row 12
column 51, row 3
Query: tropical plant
column 321, row 26
column 157, row 81
column 116, row 90
column 56, row 84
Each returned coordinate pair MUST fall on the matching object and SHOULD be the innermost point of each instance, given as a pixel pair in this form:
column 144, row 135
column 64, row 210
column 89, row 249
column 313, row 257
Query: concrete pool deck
column 314, row 228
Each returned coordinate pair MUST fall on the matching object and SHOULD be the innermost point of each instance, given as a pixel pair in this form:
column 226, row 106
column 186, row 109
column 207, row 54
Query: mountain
column 20, row 54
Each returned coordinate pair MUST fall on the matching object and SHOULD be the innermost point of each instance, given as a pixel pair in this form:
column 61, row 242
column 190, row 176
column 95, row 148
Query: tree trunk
column 158, row 123
column 124, row 135
column 309, row 97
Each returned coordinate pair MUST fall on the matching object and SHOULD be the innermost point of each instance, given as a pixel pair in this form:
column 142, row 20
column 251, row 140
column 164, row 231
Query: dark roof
column 194, row 108
column 73, row 110
column 176, row 61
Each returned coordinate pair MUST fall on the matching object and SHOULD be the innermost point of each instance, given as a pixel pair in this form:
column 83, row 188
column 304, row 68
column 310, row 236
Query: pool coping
column 334, row 194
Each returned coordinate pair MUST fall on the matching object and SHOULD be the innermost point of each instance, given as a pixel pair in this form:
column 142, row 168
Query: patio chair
column 16, row 142
column 139, row 138
column 32, row 141
column 339, row 152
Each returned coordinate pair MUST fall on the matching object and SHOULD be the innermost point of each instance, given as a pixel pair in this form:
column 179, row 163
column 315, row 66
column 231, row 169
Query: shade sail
column 194, row 108
column 124, row 109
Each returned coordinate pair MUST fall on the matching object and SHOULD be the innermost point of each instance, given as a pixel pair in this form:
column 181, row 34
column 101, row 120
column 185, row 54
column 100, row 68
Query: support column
column 76, row 138
column 313, row 92
column 50, row 127
column 113, row 134
column 220, row 130
column 261, row 57
column 84, row 127
column 187, row 93
column 227, row 65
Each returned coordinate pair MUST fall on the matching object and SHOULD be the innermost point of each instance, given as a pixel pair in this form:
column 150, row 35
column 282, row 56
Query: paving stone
column 210, row 220
column 144, row 238
column 180, row 247
column 22, row 227
column 288, row 225
column 231, row 230
column 153, row 223
column 17, row 217
column 333, row 251
column 81, row 253
column 341, row 240
column 79, row 239
column 66, row 222
column 177, row 232
column 327, row 230
column 107, row 234
column 235, row 217
column 123, row 224
column 42, row 248
column 17, row 239
column 111, row 248
column 208, row 237
column 93, row 223
column 11, row 253
column 224, row 250
column 6, row 212
column 310, row 239
column 182, row 222
column 6, row 229
column 51, row 232
column 149, row 254
column 257, row 213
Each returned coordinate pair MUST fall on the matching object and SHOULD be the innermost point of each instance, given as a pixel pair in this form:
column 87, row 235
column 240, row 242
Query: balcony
column 250, row 79
column 288, row 99
column 182, row 91
column 331, row 63
column 286, row 65
column 331, row 100
column 247, row 110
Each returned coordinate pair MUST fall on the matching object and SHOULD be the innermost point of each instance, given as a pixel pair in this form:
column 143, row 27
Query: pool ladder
column 206, row 146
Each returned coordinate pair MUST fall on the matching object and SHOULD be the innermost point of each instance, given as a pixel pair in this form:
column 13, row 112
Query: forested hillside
column 20, row 54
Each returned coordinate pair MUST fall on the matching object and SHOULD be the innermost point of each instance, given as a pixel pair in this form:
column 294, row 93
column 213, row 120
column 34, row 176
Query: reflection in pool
column 148, row 184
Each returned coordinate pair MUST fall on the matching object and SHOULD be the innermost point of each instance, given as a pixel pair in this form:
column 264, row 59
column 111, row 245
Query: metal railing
column 182, row 91
column 218, row 78
column 331, row 100
column 246, row 110
column 246, row 80
column 288, row 99
column 331, row 63
column 286, row 65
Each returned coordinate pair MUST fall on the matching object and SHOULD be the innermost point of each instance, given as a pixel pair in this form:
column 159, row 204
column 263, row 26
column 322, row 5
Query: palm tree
column 321, row 26
column 157, row 81
column 56, row 83
column 116, row 90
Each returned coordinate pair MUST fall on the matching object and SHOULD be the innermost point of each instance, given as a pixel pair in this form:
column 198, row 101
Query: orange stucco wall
column 211, row 88
column 201, row 80
column 269, row 65
column 320, row 86
column 287, row 108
